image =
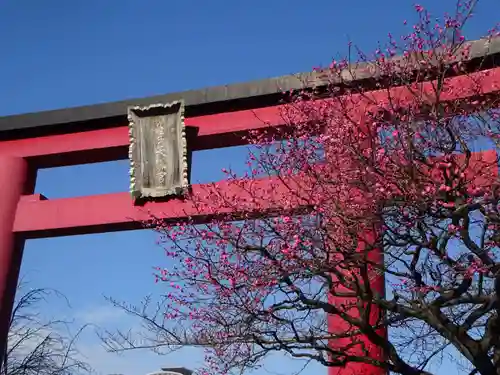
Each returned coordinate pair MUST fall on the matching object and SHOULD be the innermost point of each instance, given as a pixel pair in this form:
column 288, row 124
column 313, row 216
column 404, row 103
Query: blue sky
column 58, row 53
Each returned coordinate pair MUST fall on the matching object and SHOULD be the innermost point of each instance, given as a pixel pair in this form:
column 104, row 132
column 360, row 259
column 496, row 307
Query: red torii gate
column 222, row 115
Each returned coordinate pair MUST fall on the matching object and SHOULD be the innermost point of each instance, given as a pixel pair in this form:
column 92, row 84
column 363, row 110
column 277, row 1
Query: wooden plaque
column 158, row 151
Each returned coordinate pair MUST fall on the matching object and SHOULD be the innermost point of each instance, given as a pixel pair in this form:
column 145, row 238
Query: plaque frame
column 158, row 151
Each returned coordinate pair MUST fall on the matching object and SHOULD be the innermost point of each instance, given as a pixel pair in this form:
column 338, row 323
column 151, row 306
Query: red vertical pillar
column 337, row 325
column 13, row 177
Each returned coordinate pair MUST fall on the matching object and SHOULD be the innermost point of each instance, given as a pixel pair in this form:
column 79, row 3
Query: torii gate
column 98, row 133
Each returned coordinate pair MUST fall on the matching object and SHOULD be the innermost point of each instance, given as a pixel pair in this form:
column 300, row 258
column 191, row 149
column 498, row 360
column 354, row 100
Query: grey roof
column 180, row 370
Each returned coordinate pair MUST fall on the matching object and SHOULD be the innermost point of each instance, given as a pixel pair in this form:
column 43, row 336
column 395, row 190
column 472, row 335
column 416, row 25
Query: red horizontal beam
column 218, row 130
column 214, row 131
column 91, row 214
column 37, row 217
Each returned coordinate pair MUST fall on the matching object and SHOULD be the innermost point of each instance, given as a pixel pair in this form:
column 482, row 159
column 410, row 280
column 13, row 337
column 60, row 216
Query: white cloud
column 142, row 362
column 137, row 362
column 26, row 339
column 101, row 314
